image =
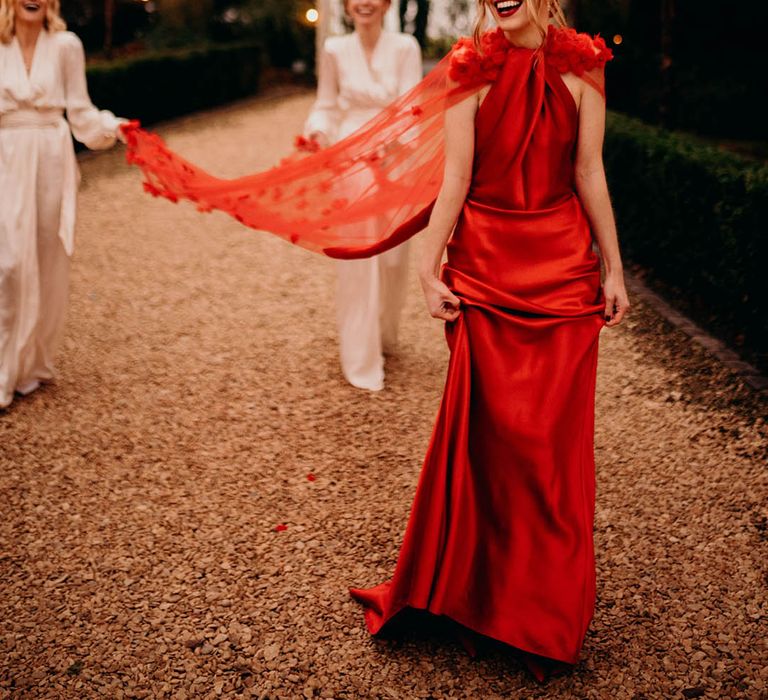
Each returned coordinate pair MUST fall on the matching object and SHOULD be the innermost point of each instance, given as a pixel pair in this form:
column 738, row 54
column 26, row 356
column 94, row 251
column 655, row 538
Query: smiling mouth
column 31, row 6
column 507, row 8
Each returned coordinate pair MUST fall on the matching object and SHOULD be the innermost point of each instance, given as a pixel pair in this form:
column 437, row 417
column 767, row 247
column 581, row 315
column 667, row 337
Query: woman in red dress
column 498, row 153
column 500, row 535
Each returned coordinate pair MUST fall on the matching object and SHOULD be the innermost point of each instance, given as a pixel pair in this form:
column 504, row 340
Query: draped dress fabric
column 38, row 189
column 500, row 534
column 370, row 292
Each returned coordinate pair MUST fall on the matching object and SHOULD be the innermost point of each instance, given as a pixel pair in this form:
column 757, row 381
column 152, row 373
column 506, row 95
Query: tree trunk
column 665, row 68
column 322, row 28
column 422, row 16
column 109, row 16
column 420, row 22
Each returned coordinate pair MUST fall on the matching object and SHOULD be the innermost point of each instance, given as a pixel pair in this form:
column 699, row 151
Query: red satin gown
column 500, row 537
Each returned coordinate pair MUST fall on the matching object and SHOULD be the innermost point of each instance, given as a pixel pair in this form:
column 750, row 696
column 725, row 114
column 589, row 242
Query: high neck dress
column 500, row 535
column 38, row 192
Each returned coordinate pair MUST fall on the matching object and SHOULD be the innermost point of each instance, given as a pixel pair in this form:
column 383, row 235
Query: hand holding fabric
column 441, row 302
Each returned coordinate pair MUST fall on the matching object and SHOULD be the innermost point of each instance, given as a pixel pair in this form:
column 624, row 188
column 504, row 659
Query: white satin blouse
column 29, row 102
column 351, row 91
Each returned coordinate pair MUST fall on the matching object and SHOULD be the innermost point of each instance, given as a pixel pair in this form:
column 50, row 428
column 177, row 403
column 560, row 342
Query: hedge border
column 162, row 85
column 694, row 218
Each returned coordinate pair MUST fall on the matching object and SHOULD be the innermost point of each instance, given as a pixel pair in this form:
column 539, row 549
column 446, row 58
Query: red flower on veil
column 309, row 145
column 399, row 154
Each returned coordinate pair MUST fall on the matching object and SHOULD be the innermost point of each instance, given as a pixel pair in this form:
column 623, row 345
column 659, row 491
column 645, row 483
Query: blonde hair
column 534, row 6
column 52, row 22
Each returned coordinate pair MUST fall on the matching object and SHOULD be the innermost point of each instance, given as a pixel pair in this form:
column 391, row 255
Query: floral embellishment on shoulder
column 570, row 51
column 470, row 66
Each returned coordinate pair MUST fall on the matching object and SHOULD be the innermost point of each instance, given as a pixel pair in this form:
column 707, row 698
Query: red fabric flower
column 494, row 47
column 151, row 189
column 309, row 145
column 571, row 52
column 465, row 63
column 469, row 66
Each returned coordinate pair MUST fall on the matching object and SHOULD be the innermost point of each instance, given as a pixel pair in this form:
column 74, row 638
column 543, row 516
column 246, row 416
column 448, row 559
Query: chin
column 32, row 11
column 510, row 15
column 367, row 21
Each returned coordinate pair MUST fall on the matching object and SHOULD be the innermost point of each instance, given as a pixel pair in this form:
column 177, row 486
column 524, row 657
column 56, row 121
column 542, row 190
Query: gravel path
column 200, row 405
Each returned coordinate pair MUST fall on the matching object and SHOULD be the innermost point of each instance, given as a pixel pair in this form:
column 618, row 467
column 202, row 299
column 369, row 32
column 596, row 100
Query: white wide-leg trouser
column 34, row 266
column 370, row 297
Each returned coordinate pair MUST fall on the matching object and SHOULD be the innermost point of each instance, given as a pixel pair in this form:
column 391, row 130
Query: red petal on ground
column 311, row 477
column 281, row 527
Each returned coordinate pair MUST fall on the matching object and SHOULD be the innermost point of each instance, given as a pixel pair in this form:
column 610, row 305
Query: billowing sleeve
column 411, row 70
column 325, row 114
column 97, row 129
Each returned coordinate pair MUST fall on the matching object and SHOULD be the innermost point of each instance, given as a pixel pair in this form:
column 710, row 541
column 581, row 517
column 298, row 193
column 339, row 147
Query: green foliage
column 164, row 85
column 179, row 23
column 695, row 217
column 438, row 47
column 418, row 25
column 607, row 16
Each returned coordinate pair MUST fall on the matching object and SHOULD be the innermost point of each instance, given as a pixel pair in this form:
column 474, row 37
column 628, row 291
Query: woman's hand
column 441, row 302
column 616, row 299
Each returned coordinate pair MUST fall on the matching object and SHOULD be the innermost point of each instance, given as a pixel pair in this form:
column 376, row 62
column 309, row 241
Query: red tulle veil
column 372, row 190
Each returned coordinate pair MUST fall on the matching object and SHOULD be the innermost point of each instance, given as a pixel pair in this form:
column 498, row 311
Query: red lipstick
column 507, row 8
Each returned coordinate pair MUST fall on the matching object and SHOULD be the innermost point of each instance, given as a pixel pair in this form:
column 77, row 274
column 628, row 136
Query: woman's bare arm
column 592, row 189
column 459, row 153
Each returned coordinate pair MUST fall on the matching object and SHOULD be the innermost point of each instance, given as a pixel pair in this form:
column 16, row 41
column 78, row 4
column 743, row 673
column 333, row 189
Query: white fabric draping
column 38, row 191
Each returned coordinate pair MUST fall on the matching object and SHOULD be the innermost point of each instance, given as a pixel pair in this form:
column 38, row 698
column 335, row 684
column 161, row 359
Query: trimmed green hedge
column 164, row 85
column 695, row 217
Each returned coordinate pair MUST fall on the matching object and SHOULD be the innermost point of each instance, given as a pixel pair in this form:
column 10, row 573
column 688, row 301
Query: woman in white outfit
column 42, row 76
column 360, row 74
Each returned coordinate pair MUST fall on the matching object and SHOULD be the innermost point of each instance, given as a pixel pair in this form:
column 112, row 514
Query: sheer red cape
column 386, row 175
